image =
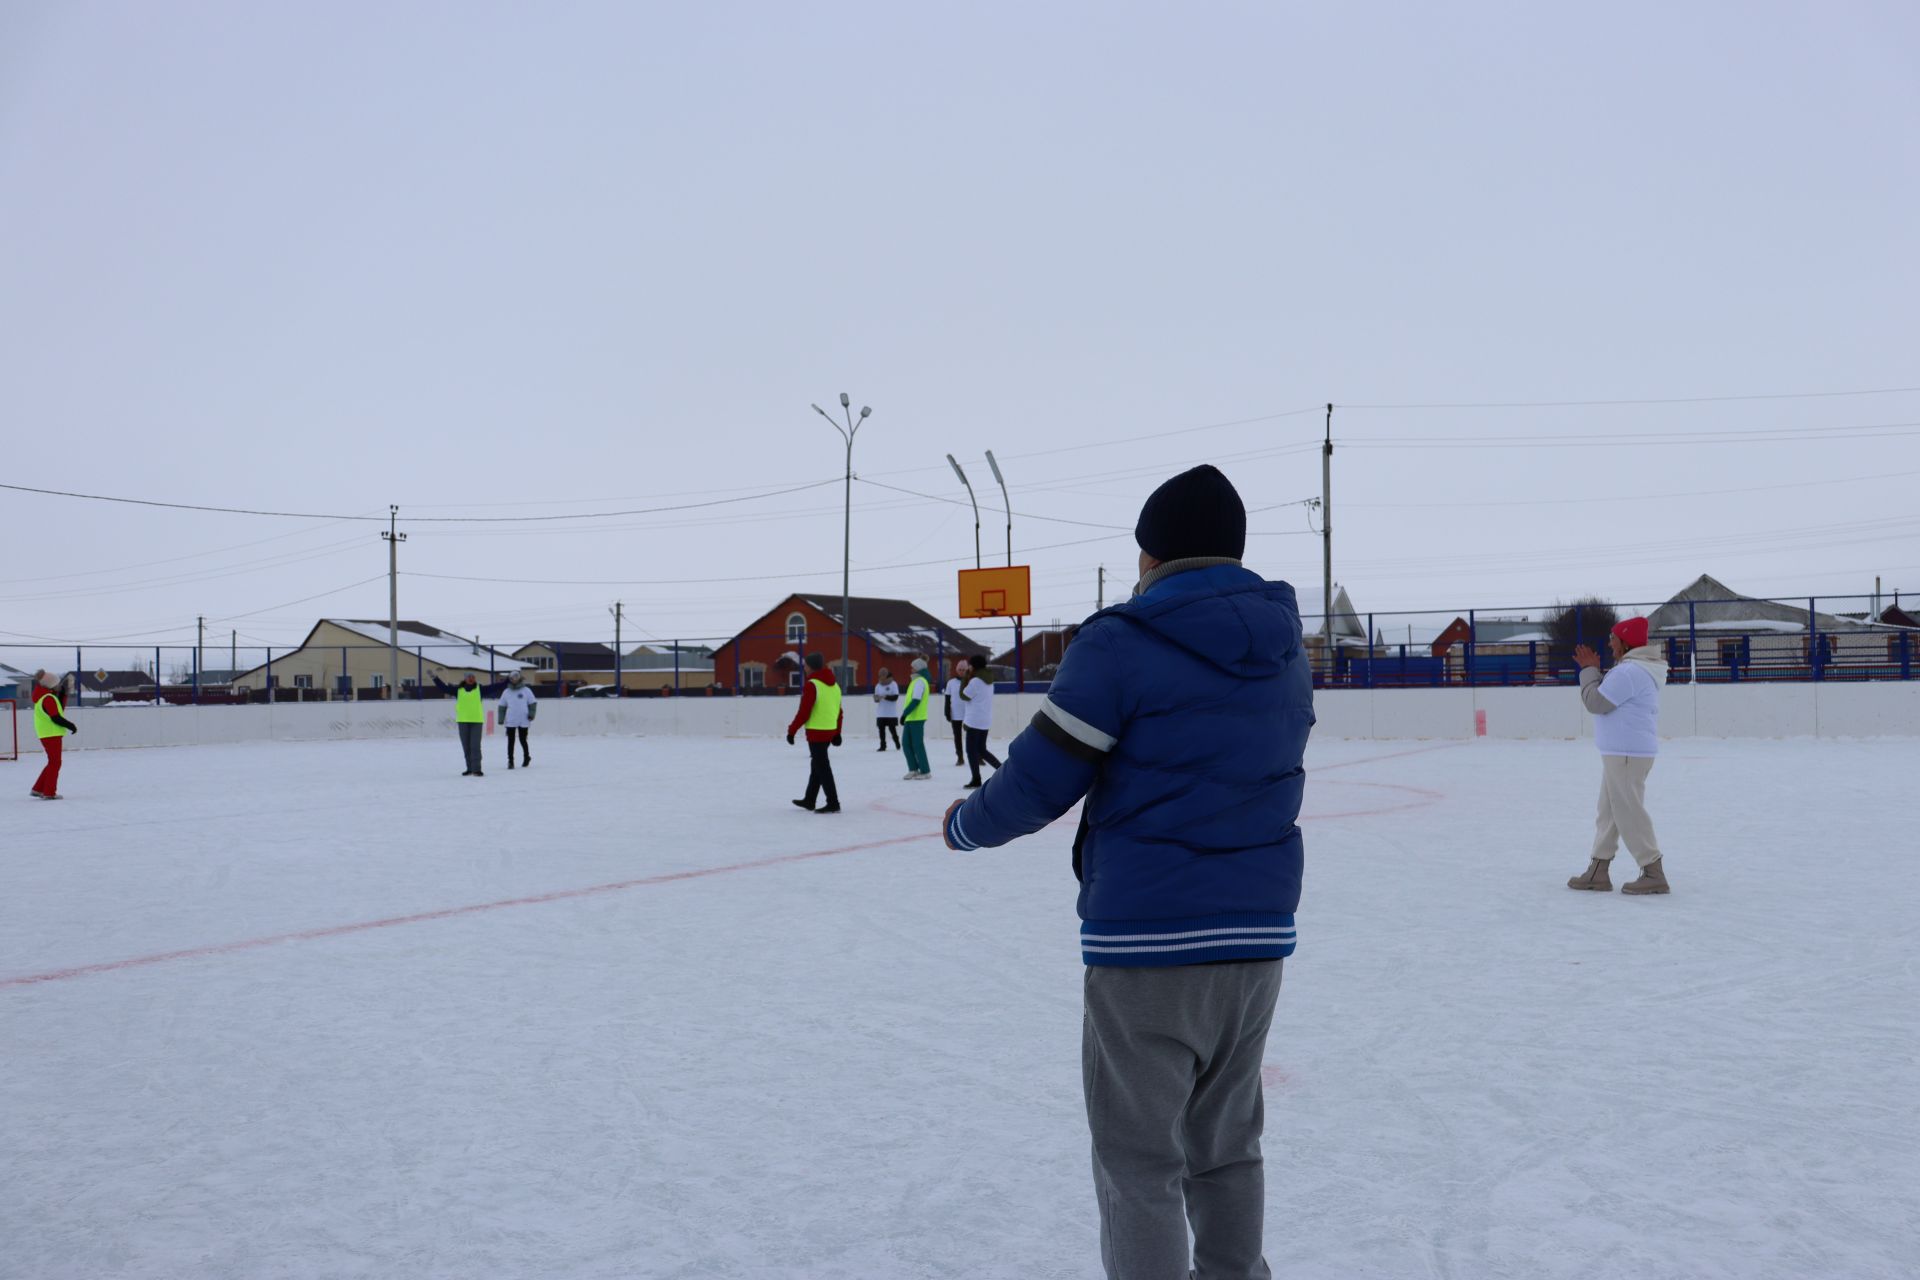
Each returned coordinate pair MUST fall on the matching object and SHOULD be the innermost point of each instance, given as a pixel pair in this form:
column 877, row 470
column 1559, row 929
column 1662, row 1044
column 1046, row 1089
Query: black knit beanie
column 1197, row 513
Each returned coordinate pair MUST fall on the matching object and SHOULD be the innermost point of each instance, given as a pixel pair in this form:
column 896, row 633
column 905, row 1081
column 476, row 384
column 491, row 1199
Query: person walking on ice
column 470, row 717
column 919, row 690
column 518, row 707
column 1626, row 728
column 820, row 716
column 50, row 725
column 957, row 710
column 1182, row 717
column 886, row 707
column 976, row 700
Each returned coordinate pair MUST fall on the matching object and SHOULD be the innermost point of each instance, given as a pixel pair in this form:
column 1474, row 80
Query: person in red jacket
column 51, row 725
column 821, row 716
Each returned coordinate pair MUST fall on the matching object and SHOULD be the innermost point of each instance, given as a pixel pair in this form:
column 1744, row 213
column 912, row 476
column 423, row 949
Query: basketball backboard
column 996, row 593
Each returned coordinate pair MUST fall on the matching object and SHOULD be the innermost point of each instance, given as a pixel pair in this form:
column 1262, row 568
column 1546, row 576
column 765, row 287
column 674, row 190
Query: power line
column 1570, row 404
column 302, row 600
column 1734, row 436
column 314, row 515
column 1635, row 497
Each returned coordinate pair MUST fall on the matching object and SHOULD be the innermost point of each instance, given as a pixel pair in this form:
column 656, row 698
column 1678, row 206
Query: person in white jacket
column 1626, row 728
column 517, row 709
column 886, row 708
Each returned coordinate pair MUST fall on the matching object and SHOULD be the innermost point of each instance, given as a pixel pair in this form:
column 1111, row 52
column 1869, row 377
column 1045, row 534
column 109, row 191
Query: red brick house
column 768, row 652
column 1040, row 652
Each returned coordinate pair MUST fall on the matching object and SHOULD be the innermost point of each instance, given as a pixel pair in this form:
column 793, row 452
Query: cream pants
column 1623, row 810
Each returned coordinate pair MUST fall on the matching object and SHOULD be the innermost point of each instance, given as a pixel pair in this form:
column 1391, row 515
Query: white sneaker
column 909, row 777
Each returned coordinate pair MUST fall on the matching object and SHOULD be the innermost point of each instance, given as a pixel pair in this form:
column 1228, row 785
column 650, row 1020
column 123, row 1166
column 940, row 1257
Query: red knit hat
column 1632, row 632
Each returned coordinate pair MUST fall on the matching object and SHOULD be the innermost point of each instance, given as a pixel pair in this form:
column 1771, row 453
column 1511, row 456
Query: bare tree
column 1577, row 622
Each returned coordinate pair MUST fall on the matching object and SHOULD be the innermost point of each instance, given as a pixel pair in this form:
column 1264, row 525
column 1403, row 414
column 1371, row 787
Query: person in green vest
column 470, row 715
column 50, row 725
column 820, row 716
column 914, row 717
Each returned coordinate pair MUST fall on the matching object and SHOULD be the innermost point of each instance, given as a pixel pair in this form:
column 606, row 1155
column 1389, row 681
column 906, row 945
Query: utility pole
column 199, row 659
column 1326, row 530
column 393, row 538
column 618, row 680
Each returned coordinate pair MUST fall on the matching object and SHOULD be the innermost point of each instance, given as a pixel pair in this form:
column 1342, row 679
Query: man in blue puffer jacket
column 1182, row 718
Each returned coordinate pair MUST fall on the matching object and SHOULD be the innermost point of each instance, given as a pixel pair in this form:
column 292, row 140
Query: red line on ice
column 561, row 895
column 558, row 895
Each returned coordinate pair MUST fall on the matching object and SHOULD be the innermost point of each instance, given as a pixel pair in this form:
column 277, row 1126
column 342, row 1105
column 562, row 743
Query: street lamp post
column 976, row 509
column 847, row 434
column 1019, row 637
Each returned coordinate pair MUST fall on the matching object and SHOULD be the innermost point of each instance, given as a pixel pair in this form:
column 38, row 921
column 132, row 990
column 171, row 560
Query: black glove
column 789, row 739
column 836, row 740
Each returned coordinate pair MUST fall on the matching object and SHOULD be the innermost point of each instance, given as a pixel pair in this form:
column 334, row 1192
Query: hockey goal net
column 9, row 729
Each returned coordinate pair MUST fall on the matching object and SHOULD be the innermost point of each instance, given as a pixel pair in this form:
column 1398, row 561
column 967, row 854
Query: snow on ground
column 800, row 1046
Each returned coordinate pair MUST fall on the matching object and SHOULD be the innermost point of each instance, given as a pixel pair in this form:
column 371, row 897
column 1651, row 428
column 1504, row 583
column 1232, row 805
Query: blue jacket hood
column 1225, row 615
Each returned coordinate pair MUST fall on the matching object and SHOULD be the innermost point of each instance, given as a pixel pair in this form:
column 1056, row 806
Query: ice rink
column 332, row 1010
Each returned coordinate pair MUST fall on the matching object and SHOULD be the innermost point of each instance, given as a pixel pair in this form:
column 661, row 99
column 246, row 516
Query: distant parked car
column 592, row 691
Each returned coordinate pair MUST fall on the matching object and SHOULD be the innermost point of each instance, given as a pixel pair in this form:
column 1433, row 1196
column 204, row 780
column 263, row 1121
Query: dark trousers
column 886, row 725
column 821, row 777
column 470, row 744
column 525, row 756
column 48, row 783
column 959, row 742
column 977, row 751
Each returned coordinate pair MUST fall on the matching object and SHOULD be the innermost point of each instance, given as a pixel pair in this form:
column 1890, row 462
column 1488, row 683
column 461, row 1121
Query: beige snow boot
column 1594, row 878
column 1653, row 879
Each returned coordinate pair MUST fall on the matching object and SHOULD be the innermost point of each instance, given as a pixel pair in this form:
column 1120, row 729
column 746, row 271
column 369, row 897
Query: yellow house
column 347, row 658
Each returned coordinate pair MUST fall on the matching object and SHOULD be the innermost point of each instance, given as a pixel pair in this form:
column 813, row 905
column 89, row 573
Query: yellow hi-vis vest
column 917, row 688
column 466, row 708
column 826, row 707
column 43, row 725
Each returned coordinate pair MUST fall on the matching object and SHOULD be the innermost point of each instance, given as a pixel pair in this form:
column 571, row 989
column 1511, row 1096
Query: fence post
column 1693, row 646
column 1367, row 682
column 196, row 675
column 676, row 666
column 79, row 669
column 158, row 701
column 1473, row 638
column 1814, row 655
column 269, row 675
column 493, row 677
column 419, row 672
column 1906, row 656
column 868, row 637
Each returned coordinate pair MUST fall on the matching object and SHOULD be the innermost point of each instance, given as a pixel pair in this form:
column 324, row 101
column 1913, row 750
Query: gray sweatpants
column 1623, row 810
column 470, row 744
column 1171, row 1063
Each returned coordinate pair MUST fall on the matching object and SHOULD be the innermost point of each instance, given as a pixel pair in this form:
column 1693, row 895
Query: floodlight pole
column 393, row 538
column 851, row 430
column 1019, row 638
column 952, row 462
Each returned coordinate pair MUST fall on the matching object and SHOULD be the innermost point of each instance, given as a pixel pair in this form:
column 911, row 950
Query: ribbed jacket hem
column 1201, row 940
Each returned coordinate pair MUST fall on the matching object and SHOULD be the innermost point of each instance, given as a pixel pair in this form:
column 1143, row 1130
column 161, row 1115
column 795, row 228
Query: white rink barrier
column 1890, row 708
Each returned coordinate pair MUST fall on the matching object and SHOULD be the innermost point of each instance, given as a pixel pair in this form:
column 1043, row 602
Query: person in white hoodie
column 1626, row 728
column 886, row 708
column 517, row 709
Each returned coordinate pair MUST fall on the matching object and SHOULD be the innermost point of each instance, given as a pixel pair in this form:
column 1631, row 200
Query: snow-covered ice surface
column 800, row 1046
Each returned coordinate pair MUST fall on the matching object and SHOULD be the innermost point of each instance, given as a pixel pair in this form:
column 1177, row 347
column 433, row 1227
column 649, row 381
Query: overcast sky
column 510, row 260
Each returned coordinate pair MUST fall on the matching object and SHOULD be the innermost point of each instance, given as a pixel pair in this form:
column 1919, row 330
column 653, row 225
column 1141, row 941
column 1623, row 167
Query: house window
column 1824, row 652
column 793, row 680
column 796, row 628
column 379, row 682
column 1730, row 652
column 303, row 682
column 544, row 664
column 406, row 682
column 753, row 675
